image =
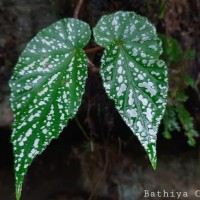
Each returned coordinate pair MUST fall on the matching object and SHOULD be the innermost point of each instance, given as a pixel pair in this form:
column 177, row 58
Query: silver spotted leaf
column 46, row 89
column 133, row 75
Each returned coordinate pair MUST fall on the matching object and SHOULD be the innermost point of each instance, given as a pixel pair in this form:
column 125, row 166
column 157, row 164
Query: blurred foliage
column 177, row 117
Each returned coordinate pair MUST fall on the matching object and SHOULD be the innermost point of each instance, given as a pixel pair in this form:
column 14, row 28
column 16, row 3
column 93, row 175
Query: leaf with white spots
column 133, row 75
column 46, row 89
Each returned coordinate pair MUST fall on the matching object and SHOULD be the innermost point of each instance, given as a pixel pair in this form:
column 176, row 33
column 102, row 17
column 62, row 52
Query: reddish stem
column 77, row 9
column 93, row 49
column 92, row 67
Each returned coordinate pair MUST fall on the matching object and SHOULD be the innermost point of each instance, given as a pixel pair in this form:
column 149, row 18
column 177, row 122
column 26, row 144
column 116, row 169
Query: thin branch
column 77, row 9
column 94, row 49
column 82, row 129
column 92, row 67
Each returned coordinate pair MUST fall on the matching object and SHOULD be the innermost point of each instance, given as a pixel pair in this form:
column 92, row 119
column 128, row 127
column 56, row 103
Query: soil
column 113, row 166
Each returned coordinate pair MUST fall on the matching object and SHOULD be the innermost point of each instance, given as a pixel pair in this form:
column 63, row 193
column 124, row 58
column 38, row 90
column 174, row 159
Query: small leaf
column 181, row 95
column 187, row 122
column 189, row 81
column 132, row 74
column 47, row 87
column 173, row 54
column 170, row 121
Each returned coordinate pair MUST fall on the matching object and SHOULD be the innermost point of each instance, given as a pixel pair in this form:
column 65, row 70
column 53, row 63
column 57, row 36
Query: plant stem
column 77, row 9
column 93, row 49
column 82, row 129
column 92, row 67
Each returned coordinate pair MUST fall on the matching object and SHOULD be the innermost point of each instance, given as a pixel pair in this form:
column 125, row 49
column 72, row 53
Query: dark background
column 111, row 164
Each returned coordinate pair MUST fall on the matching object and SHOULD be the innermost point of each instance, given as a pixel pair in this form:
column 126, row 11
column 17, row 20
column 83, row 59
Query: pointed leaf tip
column 18, row 191
column 133, row 75
column 151, row 152
column 46, row 89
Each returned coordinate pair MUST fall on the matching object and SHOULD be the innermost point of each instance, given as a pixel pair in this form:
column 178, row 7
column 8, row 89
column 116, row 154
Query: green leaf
column 173, row 54
column 170, row 121
column 187, row 122
column 181, row 95
column 189, row 81
column 47, row 87
column 132, row 74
